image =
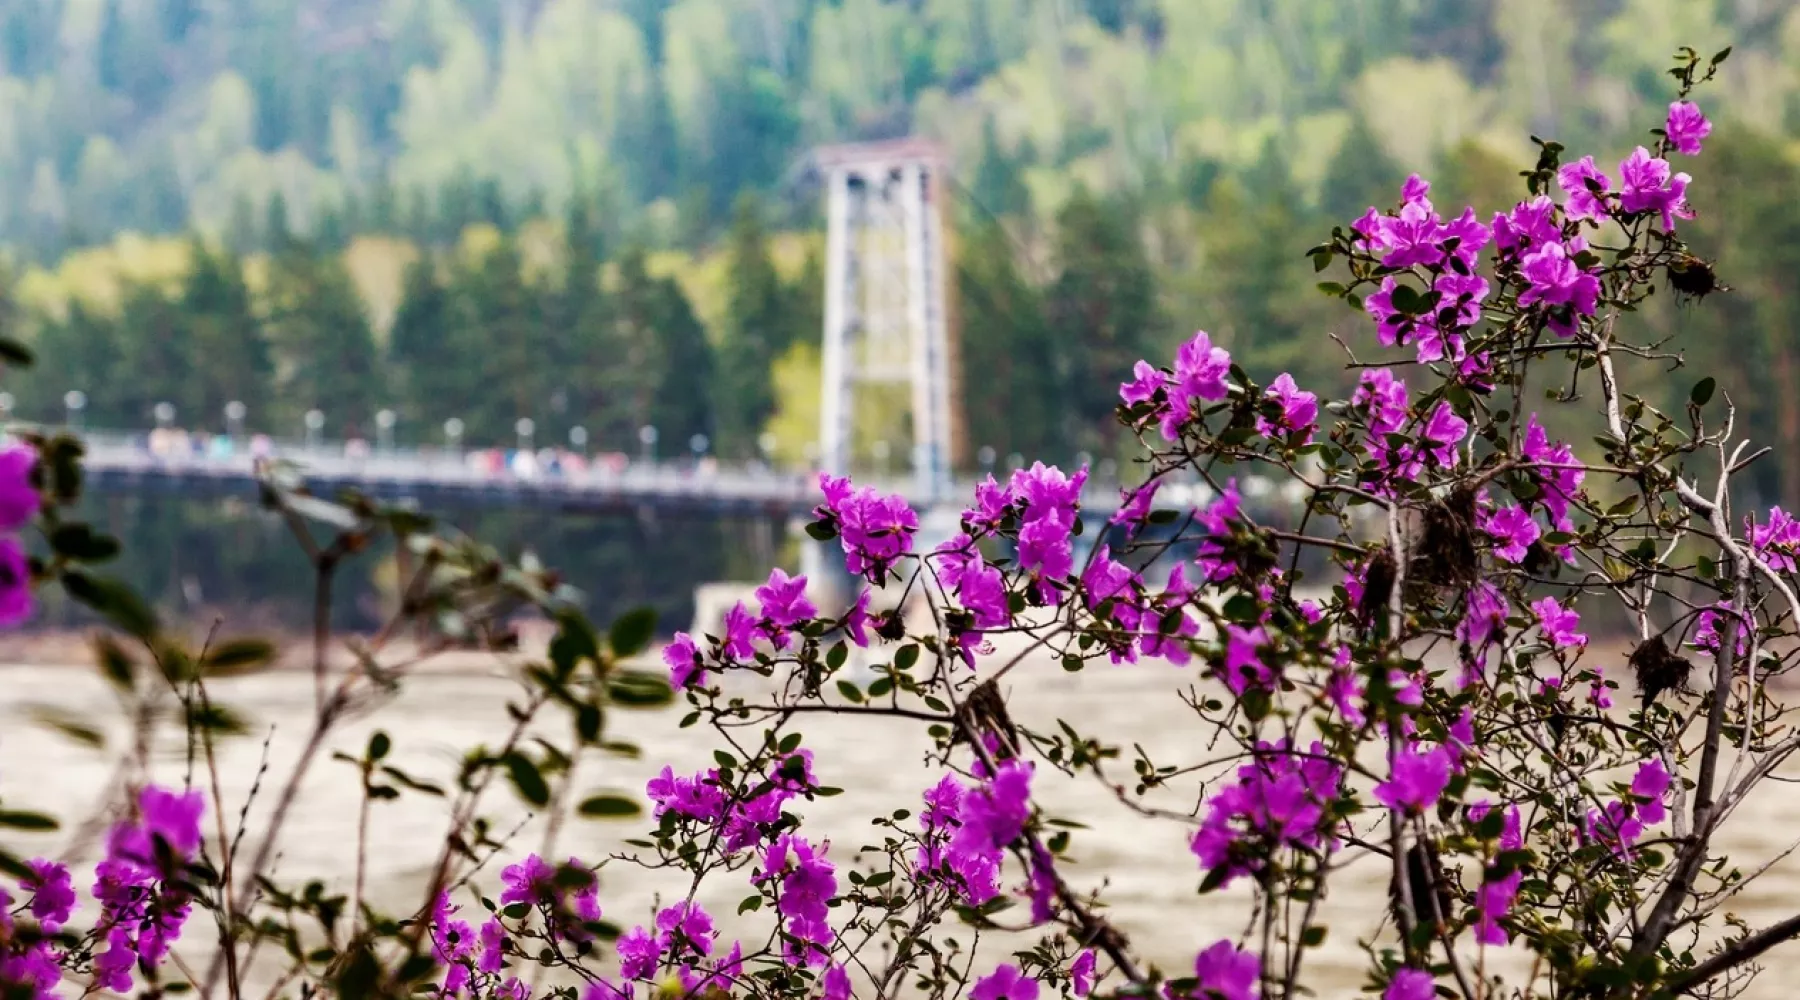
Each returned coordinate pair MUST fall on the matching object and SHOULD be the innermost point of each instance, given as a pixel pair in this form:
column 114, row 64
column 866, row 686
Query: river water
column 1149, row 877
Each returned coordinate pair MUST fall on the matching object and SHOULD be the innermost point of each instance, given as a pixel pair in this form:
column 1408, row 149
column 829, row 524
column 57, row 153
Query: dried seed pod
column 1657, row 669
column 1446, row 553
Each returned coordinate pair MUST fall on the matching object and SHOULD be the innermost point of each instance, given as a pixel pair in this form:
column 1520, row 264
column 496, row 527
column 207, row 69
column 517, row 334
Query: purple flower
column 603, row 989
column 1459, row 302
column 1081, row 974
column 1243, row 669
column 686, row 925
column 784, row 603
column 1686, row 127
column 1048, row 492
column 1383, row 397
column 1650, row 786
column 493, row 946
column 52, row 893
column 1555, row 280
column 1445, row 430
column 837, row 983
column 683, row 658
column 1005, row 983
column 1416, row 779
column 1213, row 554
column 1276, row 803
column 1134, row 505
column 1344, row 689
column 1200, row 373
column 1299, row 410
column 807, row 882
column 1707, row 628
column 1410, row 984
column 1494, row 900
column 856, row 620
column 1512, row 530
column 983, row 592
column 1227, row 971
column 1146, row 382
column 740, row 628
column 19, row 500
column 639, row 952
column 992, row 501
column 1586, row 185
column 1558, row 624
column 873, row 528
column 1529, row 224
column 1776, row 540
column 1555, row 472
column 1045, row 550
column 1649, row 187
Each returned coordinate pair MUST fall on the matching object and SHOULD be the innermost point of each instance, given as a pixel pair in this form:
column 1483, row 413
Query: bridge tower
column 886, row 312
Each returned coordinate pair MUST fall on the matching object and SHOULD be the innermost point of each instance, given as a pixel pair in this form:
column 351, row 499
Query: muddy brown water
column 1150, row 879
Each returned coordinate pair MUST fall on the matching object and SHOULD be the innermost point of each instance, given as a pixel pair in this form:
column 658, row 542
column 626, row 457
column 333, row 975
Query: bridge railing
column 544, row 469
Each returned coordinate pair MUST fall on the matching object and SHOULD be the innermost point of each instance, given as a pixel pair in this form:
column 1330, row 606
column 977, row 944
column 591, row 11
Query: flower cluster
column 743, row 820
column 1621, row 824
column 874, row 528
column 1279, row 801
column 964, row 831
column 19, row 503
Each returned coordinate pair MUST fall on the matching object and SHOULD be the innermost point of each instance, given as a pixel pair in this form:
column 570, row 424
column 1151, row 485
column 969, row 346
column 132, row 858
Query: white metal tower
column 885, row 308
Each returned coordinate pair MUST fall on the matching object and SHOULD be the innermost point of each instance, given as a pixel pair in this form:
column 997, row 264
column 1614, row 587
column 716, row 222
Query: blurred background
column 568, row 239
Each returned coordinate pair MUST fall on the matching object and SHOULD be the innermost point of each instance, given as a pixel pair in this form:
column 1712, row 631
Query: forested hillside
column 593, row 211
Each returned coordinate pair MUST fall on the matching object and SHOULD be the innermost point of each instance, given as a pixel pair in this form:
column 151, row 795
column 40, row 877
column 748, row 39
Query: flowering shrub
column 1432, row 706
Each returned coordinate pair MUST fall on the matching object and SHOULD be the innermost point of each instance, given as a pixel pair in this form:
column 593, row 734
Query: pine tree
column 318, row 325
column 227, row 336
column 1012, row 397
column 762, row 320
column 428, row 368
column 1361, row 175
column 1102, row 311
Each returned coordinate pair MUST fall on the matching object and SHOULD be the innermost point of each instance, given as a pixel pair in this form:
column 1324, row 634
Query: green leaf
column 80, row 543
column 750, row 904
column 609, row 806
column 526, row 779
column 906, row 656
column 639, row 689
column 238, row 656
column 850, row 692
column 14, row 353
column 587, row 723
column 379, row 745
column 115, row 602
column 1313, row 936
column 19, row 820
column 218, row 719
column 1623, row 507
column 1703, row 391
column 114, row 664
column 76, row 729
column 821, row 531
column 574, row 642
column 836, row 655
column 632, row 632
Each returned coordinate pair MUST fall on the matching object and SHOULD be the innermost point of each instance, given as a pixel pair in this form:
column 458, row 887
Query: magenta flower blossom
column 1559, row 283
column 1391, row 325
column 1416, row 779
column 52, row 893
column 1621, row 824
column 1081, row 974
column 1558, row 624
column 1512, row 530
column 1299, row 411
column 493, row 946
column 784, row 604
column 1459, row 303
column 1445, row 431
column 1586, row 186
column 1777, row 540
column 990, row 816
column 640, row 951
column 1243, row 668
column 1175, row 596
column 807, row 882
column 1134, row 505
column 1227, row 971
column 1529, row 224
column 1146, row 381
column 1200, row 373
column 1650, row 786
column 740, row 629
column 1410, row 984
column 1277, row 803
column 992, row 501
column 1686, row 127
column 1709, row 627
column 874, row 528
column 605, row 989
column 1494, row 900
column 1216, row 523
column 1005, row 983
column 1345, row 689
column 686, row 925
column 1650, row 187
column 1383, row 398
column 837, row 983
column 19, row 500
column 1047, row 552
column 683, row 658
column 1555, row 472
column 856, row 620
